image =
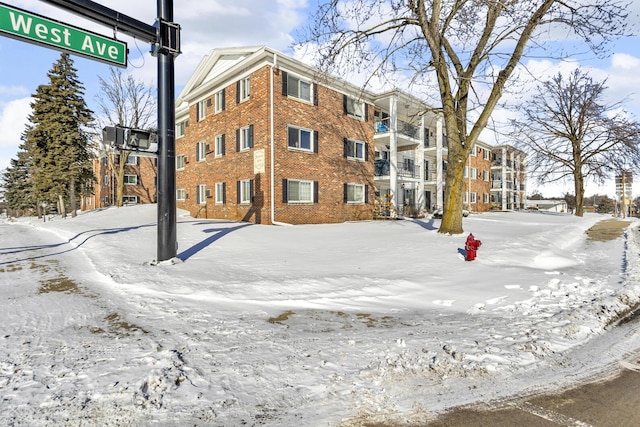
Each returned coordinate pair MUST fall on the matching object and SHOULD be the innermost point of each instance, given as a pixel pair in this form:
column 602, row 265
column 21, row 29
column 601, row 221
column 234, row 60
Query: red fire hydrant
column 471, row 247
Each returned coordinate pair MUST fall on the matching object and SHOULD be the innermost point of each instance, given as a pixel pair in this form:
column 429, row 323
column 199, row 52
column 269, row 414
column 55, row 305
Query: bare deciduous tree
column 471, row 46
column 568, row 132
column 123, row 101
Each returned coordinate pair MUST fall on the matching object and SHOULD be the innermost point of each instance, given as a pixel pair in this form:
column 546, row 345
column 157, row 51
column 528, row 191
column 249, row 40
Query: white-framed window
column 130, row 200
column 181, row 194
column 355, row 150
column 245, row 138
column 181, row 128
column 299, row 88
column 485, row 175
column 201, row 194
column 181, row 161
column 201, row 110
column 301, row 139
column 355, row 193
column 201, row 151
column 131, row 180
column 474, row 151
column 244, row 89
column 219, row 145
column 474, row 173
column 106, row 180
column 106, row 200
column 131, row 160
column 221, row 193
column 299, row 191
column 466, row 172
column 485, row 197
column 354, row 107
column 486, row 155
column 218, row 101
column 245, row 188
column 473, row 197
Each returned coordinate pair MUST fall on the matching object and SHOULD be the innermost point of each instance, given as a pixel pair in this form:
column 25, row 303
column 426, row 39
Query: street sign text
column 36, row 29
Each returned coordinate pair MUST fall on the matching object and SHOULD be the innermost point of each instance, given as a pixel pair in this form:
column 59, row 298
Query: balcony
column 405, row 169
column 404, row 128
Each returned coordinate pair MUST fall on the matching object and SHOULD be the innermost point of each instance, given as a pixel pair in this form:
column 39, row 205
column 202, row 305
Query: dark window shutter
column 197, row 112
column 209, row 102
column 314, row 87
column 238, row 192
column 222, row 107
column 344, row 195
column 366, row 112
column 250, row 142
column 251, row 188
column 315, row 191
column 285, row 189
column 316, row 139
column 223, row 144
column 345, row 150
column 238, row 92
column 238, row 140
column 224, row 192
column 366, row 152
column 344, row 103
column 366, row 194
column 284, row 84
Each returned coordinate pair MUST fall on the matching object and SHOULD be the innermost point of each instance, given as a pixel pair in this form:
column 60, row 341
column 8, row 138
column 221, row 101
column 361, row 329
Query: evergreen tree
column 57, row 141
column 18, row 192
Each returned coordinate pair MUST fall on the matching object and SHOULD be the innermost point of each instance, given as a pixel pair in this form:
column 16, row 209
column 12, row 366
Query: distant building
column 548, row 205
column 139, row 182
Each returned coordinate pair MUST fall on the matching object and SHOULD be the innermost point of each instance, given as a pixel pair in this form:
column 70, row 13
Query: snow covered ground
column 319, row 325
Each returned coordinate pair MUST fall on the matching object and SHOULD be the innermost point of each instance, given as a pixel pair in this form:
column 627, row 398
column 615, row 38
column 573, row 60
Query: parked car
column 438, row 213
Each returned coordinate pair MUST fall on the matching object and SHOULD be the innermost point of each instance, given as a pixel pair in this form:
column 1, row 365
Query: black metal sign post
column 165, row 40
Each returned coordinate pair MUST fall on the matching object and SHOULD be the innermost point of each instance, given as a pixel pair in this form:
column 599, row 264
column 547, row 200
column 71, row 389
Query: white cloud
column 13, row 118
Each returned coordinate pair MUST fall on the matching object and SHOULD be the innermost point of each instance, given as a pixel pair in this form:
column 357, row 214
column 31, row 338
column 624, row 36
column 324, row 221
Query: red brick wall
column 328, row 167
column 479, row 185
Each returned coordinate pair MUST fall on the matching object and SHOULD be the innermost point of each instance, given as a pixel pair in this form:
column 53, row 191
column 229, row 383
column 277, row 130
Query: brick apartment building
column 139, row 182
column 264, row 138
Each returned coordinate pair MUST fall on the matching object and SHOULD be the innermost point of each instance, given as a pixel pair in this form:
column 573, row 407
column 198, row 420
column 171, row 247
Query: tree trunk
column 454, row 190
column 61, row 208
column 579, row 189
column 72, row 197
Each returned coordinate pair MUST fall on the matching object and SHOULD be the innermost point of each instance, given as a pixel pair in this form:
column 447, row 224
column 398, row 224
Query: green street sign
column 23, row 25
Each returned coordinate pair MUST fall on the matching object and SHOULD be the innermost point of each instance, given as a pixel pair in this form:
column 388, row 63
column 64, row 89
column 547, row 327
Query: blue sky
column 218, row 23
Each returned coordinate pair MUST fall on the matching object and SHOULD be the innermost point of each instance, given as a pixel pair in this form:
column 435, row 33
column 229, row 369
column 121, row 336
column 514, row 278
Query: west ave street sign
column 39, row 30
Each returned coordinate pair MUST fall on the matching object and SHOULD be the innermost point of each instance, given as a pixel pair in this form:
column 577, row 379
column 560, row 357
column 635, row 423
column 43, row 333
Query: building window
column 301, row 139
column 354, row 107
column 181, row 128
column 472, row 197
column 298, row 88
column 298, row 191
column 130, row 200
column 221, row 193
column 106, row 200
column 201, row 110
column 201, row 151
column 474, row 173
column 355, row 193
column 106, row 180
column 181, row 161
column 131, row 180
column 474, row 151
column 485, row 175
column 245, row 191
column 201, row 195
column 218, row 101
column 181, row 194
column 466, row 172
column 244, row 138
column 486, row 155
column 485, row 198
column 356, row 150
column 219, row 145
column 243, row 90
column 131, row 160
